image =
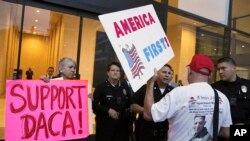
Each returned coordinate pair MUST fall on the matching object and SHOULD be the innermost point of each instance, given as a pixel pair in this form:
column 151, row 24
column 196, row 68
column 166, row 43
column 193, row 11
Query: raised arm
column 149, row 98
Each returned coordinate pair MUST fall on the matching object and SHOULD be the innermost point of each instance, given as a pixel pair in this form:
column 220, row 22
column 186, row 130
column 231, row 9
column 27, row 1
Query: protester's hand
column 154, row 77
column 90, row 95
column 113, row 114
column 44, row 78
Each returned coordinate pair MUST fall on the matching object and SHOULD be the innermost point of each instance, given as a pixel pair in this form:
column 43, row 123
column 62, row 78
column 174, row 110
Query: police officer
column 111, row 107
column 132, row 114
column 148, row 130
column 235, row 88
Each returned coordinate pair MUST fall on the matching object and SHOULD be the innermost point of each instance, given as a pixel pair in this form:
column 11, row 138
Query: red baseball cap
column 200, row 61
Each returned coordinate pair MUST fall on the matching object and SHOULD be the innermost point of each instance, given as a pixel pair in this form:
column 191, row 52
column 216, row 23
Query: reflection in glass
column 47, row 37
column 240, row 51
column 104, row 54
column 241, row 15
column 209, row 43
column 189, row 37
column 10, row 21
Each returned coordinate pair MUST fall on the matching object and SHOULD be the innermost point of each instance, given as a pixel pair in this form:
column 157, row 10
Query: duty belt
column 160, row 132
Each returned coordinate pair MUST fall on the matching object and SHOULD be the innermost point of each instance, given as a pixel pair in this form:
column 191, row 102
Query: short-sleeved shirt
column 182, row 104
column 138, row 98
column 107, row 96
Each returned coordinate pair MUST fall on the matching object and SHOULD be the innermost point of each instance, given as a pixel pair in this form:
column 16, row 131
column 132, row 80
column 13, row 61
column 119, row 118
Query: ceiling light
column 36, row 20
column 35, row 27
column 37, row 11
column 242, row 46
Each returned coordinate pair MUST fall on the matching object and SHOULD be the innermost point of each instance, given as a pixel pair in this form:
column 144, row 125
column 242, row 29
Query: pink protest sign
column 36, row 110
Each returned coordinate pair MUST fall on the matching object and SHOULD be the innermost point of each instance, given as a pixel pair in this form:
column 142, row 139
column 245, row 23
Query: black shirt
column 138, row 98
column 107, row 96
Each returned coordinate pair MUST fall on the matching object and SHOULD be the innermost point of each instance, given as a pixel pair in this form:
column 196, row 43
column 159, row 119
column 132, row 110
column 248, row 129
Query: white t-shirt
column 182, row 104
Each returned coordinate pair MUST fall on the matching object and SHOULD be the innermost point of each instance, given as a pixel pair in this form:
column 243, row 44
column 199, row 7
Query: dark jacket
column 107, row 96
column 238, row 94
column 138, row 98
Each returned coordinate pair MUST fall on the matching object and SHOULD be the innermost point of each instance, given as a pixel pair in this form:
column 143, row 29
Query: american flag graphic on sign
column 133, row 60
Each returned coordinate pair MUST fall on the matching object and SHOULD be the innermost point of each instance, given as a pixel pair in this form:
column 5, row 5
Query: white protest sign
column 139, row 42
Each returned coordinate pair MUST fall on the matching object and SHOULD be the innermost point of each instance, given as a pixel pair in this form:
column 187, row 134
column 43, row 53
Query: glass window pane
column 210, row 41
column 240, row 51
column 96, row 52
column 240, row 45
column 104, row 54
column 241, row 15
column 47, row 37
column 189, row 37
column 10, row 21
column 205, row 8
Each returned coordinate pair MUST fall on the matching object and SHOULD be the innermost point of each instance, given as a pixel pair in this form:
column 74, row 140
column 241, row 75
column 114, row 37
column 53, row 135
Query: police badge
column 244, row 89
column 124, row 91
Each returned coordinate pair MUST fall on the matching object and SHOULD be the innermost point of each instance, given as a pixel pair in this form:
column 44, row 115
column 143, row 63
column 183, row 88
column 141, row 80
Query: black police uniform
column 107, row 96
column 148, row 130
column 132, row 115
column 238, row 94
